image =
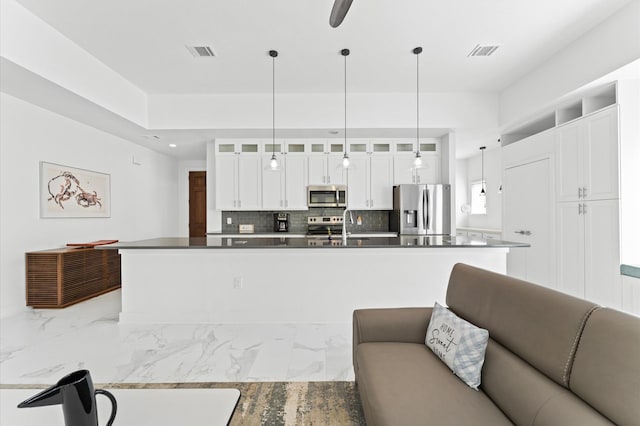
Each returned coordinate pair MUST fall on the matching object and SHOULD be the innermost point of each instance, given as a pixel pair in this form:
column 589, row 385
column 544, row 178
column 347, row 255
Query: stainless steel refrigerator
column 421, row 210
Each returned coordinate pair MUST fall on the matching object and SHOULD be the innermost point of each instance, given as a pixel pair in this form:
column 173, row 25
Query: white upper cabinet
column 286, row 187
column 238, row 182
column 370, row 179
column 325, row 163
column 238, row 177
column 295, row 184
column 244, row 182
column 404, row 170
column 381, row 182
column 358, row 183
column 587, row 151
column 226, row 181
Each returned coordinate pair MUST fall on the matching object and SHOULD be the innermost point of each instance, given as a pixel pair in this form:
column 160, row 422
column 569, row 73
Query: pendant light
column 417, row 161
column 346, row 162
column 273, row 162
column 482, row 191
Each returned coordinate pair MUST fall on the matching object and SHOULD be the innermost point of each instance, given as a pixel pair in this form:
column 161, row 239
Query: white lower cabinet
column 238, row 182
column 589, row 251
column 285, row 188
column 370, row 182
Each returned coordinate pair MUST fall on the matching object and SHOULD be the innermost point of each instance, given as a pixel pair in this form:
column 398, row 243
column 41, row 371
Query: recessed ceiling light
column 201, row 51
column 172, row 145
column 483, row 50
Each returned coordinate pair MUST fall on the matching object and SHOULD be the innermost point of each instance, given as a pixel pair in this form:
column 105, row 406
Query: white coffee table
column 158, row 407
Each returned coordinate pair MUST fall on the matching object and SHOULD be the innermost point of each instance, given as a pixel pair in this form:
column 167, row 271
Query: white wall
column 493, row 179
column 143, row 197
column 323, row 110
column 609, row 46
column 629, row 98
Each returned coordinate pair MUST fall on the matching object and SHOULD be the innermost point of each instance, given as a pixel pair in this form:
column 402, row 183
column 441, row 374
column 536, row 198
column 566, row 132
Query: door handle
column 584, row 209
column 523, row 232
column 425, row 208
column 579, row 192
column 579, row 209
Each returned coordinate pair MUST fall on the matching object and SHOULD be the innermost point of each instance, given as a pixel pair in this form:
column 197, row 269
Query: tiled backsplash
column 372, row 220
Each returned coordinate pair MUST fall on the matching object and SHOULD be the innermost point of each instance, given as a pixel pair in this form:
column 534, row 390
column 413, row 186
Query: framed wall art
column 71, row 192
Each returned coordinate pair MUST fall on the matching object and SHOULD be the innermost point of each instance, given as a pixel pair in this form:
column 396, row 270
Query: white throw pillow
column 460, row 344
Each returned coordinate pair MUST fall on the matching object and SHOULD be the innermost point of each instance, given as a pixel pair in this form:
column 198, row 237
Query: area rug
column 278, row 403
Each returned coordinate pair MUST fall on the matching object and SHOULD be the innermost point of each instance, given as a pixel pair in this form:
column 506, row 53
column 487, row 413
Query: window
column 478, row 202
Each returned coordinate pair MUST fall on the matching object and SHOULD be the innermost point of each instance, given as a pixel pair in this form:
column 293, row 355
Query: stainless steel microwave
column 327, row 196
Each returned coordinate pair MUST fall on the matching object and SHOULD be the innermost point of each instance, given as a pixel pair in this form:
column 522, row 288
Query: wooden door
column 197, row 204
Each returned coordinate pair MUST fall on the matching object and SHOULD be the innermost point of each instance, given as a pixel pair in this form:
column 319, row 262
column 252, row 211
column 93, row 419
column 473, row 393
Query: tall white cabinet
column 587, row 151
column 370, row 179
column 286, row 187
column 580, row 140
column 238, row 177
column 588, row 208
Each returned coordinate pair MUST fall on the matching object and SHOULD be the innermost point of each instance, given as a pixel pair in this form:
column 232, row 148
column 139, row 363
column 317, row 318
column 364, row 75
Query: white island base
column 286, row 285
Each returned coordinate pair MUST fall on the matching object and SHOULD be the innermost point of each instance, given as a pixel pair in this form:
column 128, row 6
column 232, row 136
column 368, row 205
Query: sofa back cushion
column 606, row 369
column 527, row 396
column 540, row 325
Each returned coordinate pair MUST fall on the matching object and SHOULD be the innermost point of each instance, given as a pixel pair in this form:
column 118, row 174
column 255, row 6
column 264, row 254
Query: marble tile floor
column 40, row 346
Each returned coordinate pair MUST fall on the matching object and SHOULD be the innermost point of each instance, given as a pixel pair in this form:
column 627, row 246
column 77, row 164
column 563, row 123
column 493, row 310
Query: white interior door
column 528, row 219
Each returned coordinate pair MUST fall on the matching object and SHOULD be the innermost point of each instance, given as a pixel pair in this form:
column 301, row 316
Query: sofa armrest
column 389, row 325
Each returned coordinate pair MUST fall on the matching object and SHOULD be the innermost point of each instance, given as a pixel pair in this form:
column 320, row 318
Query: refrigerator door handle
column 425, row 208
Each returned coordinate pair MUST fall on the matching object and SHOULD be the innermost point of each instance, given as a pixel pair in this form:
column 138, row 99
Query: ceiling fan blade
column 339, row 11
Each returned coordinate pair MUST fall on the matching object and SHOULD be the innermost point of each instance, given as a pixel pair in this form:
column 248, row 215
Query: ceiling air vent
column 483, row 50
column 201, row 51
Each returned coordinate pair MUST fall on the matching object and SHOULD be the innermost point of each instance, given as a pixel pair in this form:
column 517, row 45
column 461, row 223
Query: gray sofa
column 552, row 359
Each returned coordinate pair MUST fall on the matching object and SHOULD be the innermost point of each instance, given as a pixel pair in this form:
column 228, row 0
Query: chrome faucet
column 344, row 223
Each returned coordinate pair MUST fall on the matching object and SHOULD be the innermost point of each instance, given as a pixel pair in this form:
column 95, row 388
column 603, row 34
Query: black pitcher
column 78, row 398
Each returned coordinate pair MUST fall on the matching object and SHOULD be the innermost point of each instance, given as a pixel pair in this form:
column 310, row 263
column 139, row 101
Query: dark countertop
column 275, row 243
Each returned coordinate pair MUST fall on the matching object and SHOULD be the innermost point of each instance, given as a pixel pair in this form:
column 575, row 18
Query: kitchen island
column 293, row 280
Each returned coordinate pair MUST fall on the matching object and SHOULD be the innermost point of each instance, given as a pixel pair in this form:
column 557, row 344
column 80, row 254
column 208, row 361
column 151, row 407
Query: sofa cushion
column 406, row 384
column 527, row 396
column 458, row 343
column 540, row 325
column 606, row 370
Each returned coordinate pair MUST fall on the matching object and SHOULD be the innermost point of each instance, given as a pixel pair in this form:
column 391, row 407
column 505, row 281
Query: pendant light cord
column 418, row 103
column 345, row 103
column 273, row 97
column 482, row 148
column 417, row 51
column 273, row 54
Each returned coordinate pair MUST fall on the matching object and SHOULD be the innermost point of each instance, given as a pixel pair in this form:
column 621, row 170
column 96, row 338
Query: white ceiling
column 144, row 41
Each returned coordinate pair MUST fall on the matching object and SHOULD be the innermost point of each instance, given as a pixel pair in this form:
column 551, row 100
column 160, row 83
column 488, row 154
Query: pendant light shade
column 273, row 162
column 346, row 162
column 482, row 191
column 417, row 160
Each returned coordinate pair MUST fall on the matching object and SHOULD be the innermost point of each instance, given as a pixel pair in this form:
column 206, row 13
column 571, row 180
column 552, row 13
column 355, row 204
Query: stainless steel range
column 324, row 227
